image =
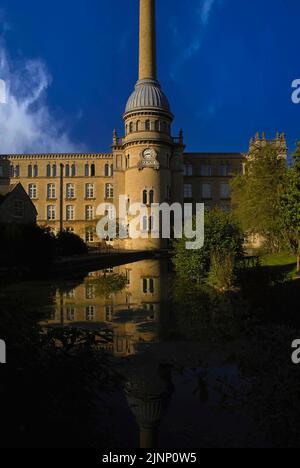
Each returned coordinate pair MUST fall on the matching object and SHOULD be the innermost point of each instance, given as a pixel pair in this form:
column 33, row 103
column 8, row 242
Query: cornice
column 60, row 156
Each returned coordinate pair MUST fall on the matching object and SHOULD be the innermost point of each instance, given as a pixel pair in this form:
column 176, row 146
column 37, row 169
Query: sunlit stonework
column 66, row 189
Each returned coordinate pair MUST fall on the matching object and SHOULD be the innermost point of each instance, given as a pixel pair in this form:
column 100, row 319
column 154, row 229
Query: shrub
column 26, row 245
column 69, row 244
column 222, row 234
column 221, row 274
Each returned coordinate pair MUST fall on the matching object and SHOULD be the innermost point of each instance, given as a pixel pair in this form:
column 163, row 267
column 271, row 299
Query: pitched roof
column 7, row 190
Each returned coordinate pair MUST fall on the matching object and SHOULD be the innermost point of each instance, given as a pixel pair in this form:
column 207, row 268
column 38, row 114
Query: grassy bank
column 281, row 262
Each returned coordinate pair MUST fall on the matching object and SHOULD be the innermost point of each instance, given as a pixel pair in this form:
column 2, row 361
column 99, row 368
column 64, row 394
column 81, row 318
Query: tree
column 69, row 244
column 257, row 194
column 223, row 238
column 29, row 246
column 290, row 206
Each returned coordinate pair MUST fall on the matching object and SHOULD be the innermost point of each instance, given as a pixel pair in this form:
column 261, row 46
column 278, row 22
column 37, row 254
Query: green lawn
column 281, row 260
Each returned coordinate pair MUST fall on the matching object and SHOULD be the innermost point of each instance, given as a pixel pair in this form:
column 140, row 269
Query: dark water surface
column 128, row 357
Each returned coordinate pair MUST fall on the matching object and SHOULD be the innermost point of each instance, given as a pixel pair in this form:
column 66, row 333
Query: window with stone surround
column 206, row 191
column 51, row 191
column 108, row 170
column 206, row 170
column 70, row 212
column 90, row 170
column 89, row 235
column 225, row 169
column 225, row 191
column 188, row 170
column 32, row 191
column 71, row 313
column 89, row 191
column 188, row 191
column 51, row 213
column 148, row 285
column 89, row 213
column 109, row 191
column 70, row 191
column 90, row 313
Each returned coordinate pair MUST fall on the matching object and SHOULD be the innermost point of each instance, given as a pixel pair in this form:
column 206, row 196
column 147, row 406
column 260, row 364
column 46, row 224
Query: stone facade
column 143, row 297
column 260, row 141
column 147, row 165
column 77, row 183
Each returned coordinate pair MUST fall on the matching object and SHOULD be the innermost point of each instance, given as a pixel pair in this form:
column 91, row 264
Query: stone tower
column 148, row 162
column 261, row 141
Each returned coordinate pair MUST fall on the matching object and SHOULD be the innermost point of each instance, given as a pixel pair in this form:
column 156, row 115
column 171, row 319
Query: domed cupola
column 147, row 95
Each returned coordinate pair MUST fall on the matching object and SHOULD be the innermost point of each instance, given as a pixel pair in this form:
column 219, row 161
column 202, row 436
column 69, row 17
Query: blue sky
column 226, row 66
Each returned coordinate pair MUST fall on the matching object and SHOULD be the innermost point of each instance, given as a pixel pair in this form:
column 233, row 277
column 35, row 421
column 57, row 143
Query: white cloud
column 205, row 10
column 203, row 15
column 26, row 122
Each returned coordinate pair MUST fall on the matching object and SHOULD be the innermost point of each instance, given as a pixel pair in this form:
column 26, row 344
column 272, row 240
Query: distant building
column 147, row 165
column 15, row 205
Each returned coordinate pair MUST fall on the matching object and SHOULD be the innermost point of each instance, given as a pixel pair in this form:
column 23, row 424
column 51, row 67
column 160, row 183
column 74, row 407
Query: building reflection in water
column 133, row 313
column 136, row 315
column 148, row 390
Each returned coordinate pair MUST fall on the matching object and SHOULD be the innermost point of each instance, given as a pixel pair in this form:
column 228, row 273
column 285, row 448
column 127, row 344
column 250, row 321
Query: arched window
column 86, row 170
column 93, row 170
column 48, row 170
column 67, row 170
column 73, row 170
column 109, row 169
column 138, row 125
column 131, row 127
column 17, row 171
column 145, row 223
column 145, row 197
column 147, row 125
column 35, row 171
column 151, row 223
column 168, row 161
column 168, row 192
column 12, row 171
column 30, row 172
column 54, row 171
column 156, row 125
column 151, row 197
column 126, row 129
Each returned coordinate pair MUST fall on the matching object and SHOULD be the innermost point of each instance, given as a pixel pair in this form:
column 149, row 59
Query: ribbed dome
column 147, row 94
